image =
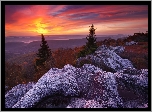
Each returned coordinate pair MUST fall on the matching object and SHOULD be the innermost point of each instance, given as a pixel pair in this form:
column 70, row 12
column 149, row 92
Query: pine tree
column 44, row 52
column 91, row 44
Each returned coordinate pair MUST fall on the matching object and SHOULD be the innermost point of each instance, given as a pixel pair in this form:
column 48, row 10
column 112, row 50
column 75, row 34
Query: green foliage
column 49, row 63
column 43, row 53
column 82, row 53
column 44, row 60
column 91, row 44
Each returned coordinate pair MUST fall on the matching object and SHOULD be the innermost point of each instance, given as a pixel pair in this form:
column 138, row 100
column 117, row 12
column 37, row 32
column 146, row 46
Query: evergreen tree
column 44, row 52
column 91, row 44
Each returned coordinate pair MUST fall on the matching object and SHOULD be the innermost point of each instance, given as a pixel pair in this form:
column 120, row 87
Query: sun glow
column 42, row 31
column 41, row 27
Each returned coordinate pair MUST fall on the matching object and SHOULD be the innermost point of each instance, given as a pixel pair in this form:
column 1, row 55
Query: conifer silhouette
column 91, row 45
column 44, row 52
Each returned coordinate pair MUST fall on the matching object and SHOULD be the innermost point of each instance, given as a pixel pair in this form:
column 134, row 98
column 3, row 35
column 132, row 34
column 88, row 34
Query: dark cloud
column 82, row 16
column 67, row 8
column 71, row 7
column 107, row 13
column 124, row 15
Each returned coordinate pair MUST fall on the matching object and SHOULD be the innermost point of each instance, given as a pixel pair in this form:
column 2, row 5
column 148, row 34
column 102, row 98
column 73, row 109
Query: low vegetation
column 137, row 54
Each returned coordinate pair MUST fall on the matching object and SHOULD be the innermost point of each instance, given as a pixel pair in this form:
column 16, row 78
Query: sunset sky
column 31, row 20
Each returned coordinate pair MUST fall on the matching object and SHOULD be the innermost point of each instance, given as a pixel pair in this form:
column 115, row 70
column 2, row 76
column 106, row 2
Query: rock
column 16, row 93
column 110, row 94
column 82, row 103
column 135, row 104
column 138, row 83
column 77, row 103
column 131, row 43
column 107, row 57
column 102, row 93
column 55, row 81
column 117, row 49
column 140, row 79
column 130, row 71
column 92, row 104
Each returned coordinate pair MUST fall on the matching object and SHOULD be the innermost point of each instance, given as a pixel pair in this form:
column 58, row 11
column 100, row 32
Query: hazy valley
column 19, row 46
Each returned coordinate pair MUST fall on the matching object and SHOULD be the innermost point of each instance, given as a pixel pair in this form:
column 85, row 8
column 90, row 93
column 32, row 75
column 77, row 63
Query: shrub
column 14, row 75
column 139, row 63
column 139, row 60
column 41, row 70
column 64, row 56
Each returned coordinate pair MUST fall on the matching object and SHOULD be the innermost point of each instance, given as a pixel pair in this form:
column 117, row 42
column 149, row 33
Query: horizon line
column 63, row 35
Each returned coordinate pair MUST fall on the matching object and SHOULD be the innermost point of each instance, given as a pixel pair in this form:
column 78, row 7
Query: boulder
column 16, row 93
column 107, row 57
column 55, row 81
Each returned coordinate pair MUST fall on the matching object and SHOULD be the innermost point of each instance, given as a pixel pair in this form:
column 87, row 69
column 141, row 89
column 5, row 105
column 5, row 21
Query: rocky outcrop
column 16, row 93
column 117, row 49
column 131, row 43
column 55, row 81
column 85, row 87
column 107, row 56
column 134, row 82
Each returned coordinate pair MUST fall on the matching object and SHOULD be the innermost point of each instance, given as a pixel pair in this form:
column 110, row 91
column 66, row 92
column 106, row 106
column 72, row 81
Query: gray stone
column 131, row 43
column 107, row 57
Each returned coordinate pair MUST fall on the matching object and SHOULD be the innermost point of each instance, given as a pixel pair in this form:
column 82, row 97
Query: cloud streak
column 75, row 19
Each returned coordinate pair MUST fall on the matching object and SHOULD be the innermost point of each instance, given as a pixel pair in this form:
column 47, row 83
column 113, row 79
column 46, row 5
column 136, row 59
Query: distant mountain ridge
column 28, row 39
column 22, row 48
